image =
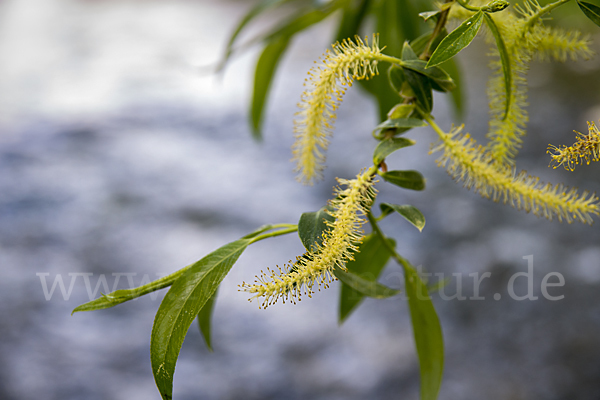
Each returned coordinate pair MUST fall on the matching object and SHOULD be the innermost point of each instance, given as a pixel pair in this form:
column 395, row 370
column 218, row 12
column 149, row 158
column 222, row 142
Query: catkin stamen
column 526, row 39
column 475, row 168
column 586, row 148
column 314, row 270
column 326, row 85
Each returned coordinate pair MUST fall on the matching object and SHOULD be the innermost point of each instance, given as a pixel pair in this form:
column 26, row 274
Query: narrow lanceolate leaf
column 276, row 44
column 368, row 263
column 353, row 15
column 298, row 23
column 388, row 146
column 421, row 86
column 410, row 213
column 121, row 296
column 180, row 306
column 504, row 58
column 439, row 285
column 255, row 11
column 406, row 179
column 116, row 297
column 442, row 81
column 364, row 286
column 205, row 320
column 428, row 334
column 311, row 227
column 591, row 11
column 402, row 16
column 265, row 69
column 457, row 40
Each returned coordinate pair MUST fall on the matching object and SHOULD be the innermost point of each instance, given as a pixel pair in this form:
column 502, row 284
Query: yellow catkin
column 339, row 243
column 557, row 44
column 524, row 41
column 472, row 165
column 325, row 86
column 586, row 148
column 506, row 129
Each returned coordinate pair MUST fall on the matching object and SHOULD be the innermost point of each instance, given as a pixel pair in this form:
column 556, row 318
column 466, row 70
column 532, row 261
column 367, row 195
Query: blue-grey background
column 119, row 154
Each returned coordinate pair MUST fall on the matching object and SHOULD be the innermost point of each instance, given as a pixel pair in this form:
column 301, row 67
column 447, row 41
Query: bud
column 401, row 111
column 495, row 6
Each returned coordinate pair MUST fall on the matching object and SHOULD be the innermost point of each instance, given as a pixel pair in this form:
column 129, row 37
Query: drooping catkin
column 586, row 148
column 472, row 165
column 315, row 268
column 325, row 86
column 526, row 38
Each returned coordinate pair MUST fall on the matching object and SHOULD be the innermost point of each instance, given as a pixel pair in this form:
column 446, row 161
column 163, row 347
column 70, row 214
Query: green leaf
column 395, row 23
column 406, row 179
column 388, row 146
column 364, row 286
column 401, row 111
column 353, row 15
column 367, row 264
column 438, row 76
column 408, row 54
column 429, row 14
column 261, row 229
column 504, row 58
column 418, row 45
column 401, row 123
column 305, row 20
column 121, row 296
column 410, row 213
column 496, row 6
column 428, row 334
column 439, row 285
column 404, row 19
column 180, row 306
column 421, row 87
column 277, row 42
column 204, row 319
column 397, row 122
column 591, row 11
column 311, row 227
column 263, row 76
column 255, row 11
column 396, row 77
column 457, row 40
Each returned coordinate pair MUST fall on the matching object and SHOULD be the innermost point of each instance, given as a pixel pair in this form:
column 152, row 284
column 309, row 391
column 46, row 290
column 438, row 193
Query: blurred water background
column 120, row 156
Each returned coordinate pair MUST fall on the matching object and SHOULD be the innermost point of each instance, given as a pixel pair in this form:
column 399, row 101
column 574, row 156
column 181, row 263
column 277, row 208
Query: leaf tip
column 257, row 131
